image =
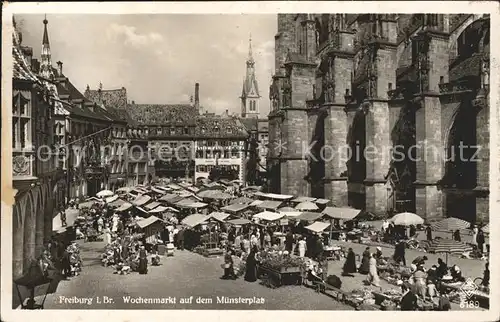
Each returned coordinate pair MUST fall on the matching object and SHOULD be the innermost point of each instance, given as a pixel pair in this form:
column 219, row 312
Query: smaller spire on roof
column 45, row 33
column 250, row 54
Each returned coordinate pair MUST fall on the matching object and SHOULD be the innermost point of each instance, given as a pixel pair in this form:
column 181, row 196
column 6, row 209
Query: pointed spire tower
column 46, row 60
column 250, row 92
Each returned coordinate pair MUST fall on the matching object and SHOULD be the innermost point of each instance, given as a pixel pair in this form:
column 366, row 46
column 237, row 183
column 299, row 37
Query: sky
column 158, row 58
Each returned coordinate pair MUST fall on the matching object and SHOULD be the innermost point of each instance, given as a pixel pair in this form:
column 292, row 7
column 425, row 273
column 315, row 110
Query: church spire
column 250, row 60
column 46, row 61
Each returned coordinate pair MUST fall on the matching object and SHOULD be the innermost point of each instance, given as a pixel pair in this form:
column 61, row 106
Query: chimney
column 197, row 95
column 59, row 68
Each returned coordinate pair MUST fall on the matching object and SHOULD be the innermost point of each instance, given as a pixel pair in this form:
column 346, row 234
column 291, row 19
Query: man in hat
column 409, row 299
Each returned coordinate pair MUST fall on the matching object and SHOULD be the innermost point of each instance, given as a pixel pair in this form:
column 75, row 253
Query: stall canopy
column 87, row 204
column 141, row 200
column 239, row 221
column 260, row 194
column 142, row 209
column 318, row 226
column 194, row 220
column 291, row 214
column 152, row 205
column 256, row 203
column 162, row 209
column 306, row 205
column 193, row 189
column 160, row 191
column 124, row 207
column 173, row 186
column 171, row 198
column 303, row 199
column 450, row 224
column 148, row 221
column 111, row 199
column 196, row 205
column 309, row 216
column 241, row 200
column 220, row 216
column 287, row 209
column 341, row 213
column 406, row 219
column 117, row 203
column 123, row 189
column 321, row 201
column 235, row 208
column 270, row 204
column 269, row 216
column 278, row 196
column 255, row 188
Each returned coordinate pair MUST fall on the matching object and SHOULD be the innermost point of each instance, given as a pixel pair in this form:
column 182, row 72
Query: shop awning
column 152, row 205
column 303, row 199
column 269, row 216
column 124, row 207
column 235, row 208
column 321, row 201
column 162, row 209
column 148, row 221
column 220, row 216
column 270, row 204
column 341, row 213
column 194, row 220
column 239, row 221
column 318, row 226
column 139, row 201
column 160, row 191
column 256, row 203
column 309, row 216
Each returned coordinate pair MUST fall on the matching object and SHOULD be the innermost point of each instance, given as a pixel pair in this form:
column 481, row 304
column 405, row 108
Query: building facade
column 35, row 176
column 220, row 144
column 352, row 83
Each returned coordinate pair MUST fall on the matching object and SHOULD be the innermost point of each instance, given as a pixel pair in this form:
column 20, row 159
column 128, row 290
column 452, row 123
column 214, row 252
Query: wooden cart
column 275, row 278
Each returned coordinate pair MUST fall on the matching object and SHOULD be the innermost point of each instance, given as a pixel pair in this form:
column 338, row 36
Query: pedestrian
column 428, row 231
column 350, row 264
column 373, row 277
column 302, row 247
column 442, row 269
column 62, row 214
column 364, row 268
column 475, row 231
column 267, row 239
column 399, row 252
column 143, row 261
column 228, row 266
column 413, row 231
column 251, row 266
column 180, row 239
column 480, row 241
column 100, row 224
column 289, row 241
column 456, row 236
column 408, row 300
column 107, row 235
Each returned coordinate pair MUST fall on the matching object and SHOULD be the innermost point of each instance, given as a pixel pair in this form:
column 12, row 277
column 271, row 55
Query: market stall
column 277, row 269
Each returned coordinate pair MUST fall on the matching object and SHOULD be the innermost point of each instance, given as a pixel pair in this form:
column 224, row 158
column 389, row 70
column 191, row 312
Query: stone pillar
column 483, row 157
column 29, row 231
column 381, row 73
column 49, row 214
column 295, row 165
column 18, row 239
column 40, row 222
column 433, row 59
column 377, row 155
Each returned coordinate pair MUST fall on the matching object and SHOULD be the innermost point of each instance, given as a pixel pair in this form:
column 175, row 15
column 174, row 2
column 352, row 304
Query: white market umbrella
column 407, row 219
column 105, row 193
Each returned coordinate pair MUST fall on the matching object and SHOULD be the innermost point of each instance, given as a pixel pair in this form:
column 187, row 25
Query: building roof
column 116, row 98
column 21, row 69
column 251, row 124
column 162, row 114
column 214, row 127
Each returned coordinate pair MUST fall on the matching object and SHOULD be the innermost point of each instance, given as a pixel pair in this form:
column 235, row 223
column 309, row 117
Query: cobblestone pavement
column 184, row 275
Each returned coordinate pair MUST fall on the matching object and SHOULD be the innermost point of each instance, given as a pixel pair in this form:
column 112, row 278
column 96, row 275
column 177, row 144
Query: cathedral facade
column 383, row 112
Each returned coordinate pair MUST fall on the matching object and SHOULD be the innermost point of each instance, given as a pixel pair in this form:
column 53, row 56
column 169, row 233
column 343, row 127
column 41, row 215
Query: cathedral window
column 21, row 122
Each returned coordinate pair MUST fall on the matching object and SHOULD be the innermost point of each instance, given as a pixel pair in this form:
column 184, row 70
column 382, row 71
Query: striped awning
column 445, row 245
column 450, row 224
